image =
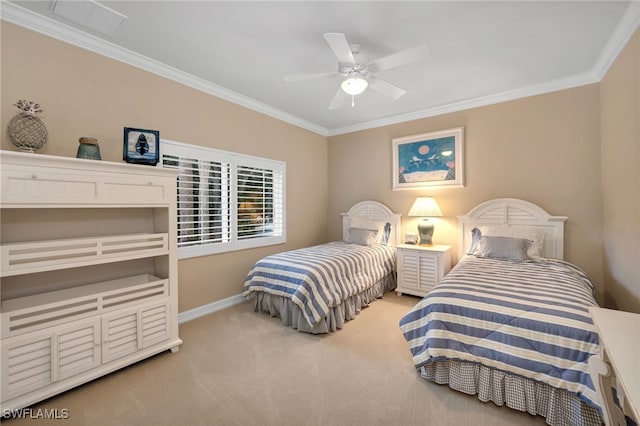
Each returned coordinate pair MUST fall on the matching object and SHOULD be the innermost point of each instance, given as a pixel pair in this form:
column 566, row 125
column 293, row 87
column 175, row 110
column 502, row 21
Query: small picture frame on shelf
column 141, row 146
column 411, row 238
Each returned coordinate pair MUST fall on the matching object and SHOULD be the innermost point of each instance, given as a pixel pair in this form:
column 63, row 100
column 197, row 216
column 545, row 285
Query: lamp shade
column 425, row 207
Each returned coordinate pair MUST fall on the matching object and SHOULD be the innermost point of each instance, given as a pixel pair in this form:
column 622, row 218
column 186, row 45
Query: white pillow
column 373, row 225
column 535, row 234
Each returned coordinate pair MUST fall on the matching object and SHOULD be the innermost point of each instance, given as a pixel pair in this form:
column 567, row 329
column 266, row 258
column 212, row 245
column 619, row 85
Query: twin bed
column 509, row 323
column 317, row 289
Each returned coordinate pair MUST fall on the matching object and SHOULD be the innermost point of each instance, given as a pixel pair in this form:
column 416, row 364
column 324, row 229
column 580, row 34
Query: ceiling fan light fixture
column 354, row 85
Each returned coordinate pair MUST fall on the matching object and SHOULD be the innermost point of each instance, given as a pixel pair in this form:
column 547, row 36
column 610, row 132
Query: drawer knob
column 34, row 176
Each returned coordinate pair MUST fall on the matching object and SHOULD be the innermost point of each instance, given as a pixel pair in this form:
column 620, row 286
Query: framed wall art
column 141, row 146
column 429, row 160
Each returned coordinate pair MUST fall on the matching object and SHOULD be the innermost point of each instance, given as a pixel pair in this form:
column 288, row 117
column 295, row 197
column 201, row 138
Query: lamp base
column 425, row 230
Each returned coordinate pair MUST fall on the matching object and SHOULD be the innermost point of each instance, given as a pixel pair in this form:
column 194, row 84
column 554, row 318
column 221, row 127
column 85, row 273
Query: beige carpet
column 238, row 367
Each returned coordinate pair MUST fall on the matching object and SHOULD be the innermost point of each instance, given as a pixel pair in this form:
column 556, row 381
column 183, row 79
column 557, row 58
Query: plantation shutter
column 259, row 202
column 204, row 215
column 225, row 201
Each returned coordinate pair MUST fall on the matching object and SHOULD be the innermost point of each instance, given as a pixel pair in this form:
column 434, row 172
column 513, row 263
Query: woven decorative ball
column 26, row 131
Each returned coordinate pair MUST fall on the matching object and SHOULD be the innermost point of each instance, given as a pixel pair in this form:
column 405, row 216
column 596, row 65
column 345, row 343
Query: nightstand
column 420, row 268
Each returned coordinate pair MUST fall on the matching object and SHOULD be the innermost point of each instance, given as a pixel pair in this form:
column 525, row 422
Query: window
column 226, row 201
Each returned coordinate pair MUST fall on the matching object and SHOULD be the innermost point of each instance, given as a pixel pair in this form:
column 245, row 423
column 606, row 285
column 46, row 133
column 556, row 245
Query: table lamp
column 425, row 207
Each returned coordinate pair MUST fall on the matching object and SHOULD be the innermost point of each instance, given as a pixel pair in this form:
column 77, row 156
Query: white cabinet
column 616, row 366
column 420, row 268
column 88, row 271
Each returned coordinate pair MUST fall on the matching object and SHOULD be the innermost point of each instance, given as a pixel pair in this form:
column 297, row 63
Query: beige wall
column 544, row 149
column 620, row 127
column 85, row 94
column 573, row 152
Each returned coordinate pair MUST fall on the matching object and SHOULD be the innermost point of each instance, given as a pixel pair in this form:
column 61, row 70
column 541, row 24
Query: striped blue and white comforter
column 321, row 277
column 526, row 318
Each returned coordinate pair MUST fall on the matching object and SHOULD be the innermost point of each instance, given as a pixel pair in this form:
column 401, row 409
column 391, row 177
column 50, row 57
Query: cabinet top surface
column 72, row 163
column 433, row 247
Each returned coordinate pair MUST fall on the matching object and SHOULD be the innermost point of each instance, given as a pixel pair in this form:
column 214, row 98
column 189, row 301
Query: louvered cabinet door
column 27, row 363
column 154, row 324
column 428, row 269
column 77, row 348
column 129, row 330
column 408, row 270
column 420, row 268
column 35, row 360
column 119, row 334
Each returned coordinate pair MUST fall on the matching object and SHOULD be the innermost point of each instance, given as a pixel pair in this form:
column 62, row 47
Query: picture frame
column 141, row 146
column 434, row 159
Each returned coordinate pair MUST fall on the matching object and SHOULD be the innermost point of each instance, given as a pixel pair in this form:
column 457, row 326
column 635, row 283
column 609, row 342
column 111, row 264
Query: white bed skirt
column 291, row 314
column 559, row 407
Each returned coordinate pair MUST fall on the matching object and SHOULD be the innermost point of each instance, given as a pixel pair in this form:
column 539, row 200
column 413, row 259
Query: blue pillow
column 364, row 237
column 503, row 248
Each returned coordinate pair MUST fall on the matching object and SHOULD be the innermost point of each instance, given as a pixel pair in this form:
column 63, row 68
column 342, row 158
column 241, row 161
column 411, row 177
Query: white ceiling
column 480, row 52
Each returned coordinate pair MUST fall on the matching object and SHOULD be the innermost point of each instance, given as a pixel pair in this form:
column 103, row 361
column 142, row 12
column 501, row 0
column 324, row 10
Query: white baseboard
column 209, row 308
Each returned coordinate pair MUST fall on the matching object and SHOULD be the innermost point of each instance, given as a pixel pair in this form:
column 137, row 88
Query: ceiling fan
column 358, row 75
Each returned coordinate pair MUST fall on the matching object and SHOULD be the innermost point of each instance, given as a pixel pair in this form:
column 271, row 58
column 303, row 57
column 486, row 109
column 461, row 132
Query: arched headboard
column 512, row 211
column 373, row 210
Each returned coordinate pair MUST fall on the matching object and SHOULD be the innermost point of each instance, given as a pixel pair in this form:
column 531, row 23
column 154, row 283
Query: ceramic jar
column 89, row 149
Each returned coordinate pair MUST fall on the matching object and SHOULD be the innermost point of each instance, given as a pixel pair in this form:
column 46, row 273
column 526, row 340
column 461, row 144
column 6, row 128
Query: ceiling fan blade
column 386, row 88
column 398, row 59
column 305, row 77
column 340, row 46
column 338, row 99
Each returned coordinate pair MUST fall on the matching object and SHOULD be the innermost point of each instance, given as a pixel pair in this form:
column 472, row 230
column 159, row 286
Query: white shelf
column 53, row 181
column 106, row 287
column 29, row 313
column 39, row 256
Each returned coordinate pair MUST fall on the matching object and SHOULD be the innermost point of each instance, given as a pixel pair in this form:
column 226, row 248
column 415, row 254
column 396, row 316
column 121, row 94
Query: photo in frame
column 141, row 146
column 434, row 159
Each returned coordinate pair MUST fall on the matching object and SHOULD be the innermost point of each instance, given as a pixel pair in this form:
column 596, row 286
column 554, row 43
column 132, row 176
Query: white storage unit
column 420, row 268
column 88, row 271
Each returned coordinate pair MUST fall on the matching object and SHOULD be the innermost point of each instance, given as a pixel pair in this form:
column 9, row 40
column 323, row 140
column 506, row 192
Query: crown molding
column 25, row 18
column 539, row 89
column 15, row 14
column 625, row 29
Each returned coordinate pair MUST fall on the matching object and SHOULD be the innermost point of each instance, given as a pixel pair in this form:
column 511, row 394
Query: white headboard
column 512, row 211
column 373, row 210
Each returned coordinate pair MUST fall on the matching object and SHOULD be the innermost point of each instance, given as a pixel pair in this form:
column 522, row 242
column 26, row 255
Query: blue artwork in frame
column 141, row 146
column 429, row 160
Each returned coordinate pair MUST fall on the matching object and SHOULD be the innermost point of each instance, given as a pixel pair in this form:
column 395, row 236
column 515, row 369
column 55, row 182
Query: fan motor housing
column 351, row 70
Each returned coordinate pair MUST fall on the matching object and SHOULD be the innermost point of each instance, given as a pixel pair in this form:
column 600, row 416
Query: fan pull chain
column 353, row 101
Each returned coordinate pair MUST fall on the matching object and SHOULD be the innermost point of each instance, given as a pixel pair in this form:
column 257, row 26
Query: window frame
column 234, row 160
